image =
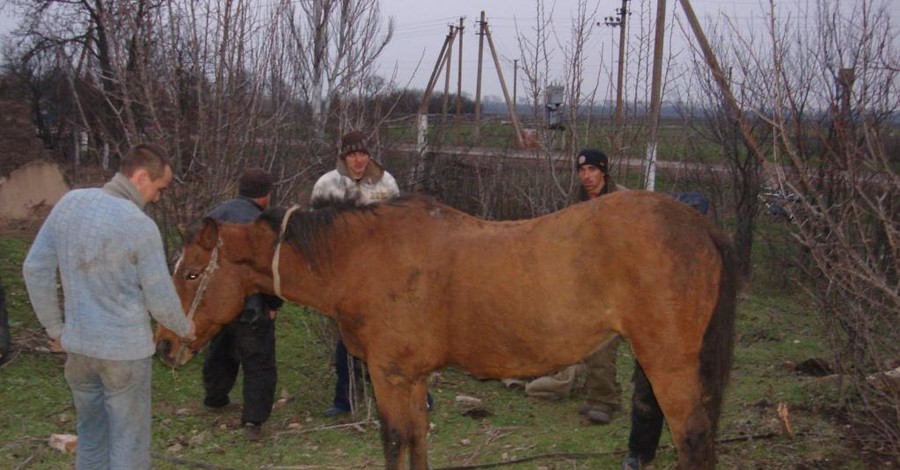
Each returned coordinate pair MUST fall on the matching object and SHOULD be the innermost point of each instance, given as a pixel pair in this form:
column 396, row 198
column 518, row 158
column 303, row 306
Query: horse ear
column 208, row 236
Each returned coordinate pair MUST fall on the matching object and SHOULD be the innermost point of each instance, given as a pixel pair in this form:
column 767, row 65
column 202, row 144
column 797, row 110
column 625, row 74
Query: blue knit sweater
column 111, row 261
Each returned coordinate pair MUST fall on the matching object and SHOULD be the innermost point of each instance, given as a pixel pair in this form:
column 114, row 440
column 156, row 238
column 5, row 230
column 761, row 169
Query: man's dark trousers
column 251, row 341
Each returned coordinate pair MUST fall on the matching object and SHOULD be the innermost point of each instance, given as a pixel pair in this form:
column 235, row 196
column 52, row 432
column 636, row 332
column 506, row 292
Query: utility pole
column 446, row 98
column 477, row 130
column 510, row 106
column 719, row 77
column 515, row 79
column 459, row 76
column 655, row 95
column 422, row 115
column 619, row 21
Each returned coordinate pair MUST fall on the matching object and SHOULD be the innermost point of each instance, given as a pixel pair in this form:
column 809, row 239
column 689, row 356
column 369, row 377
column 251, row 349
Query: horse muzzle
column 174, row 354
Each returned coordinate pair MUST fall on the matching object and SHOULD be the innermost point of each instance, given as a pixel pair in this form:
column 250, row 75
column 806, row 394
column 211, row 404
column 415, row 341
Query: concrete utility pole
column 445, row 102
column 478, row 77
column 459, row 76
column 619, row 21
column 655, row 95
column 515, row 79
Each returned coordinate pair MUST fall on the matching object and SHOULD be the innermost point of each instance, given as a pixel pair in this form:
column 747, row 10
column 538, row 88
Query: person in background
column 359, row 179
column 247, row 342
column 112, row 267
column 602, row 388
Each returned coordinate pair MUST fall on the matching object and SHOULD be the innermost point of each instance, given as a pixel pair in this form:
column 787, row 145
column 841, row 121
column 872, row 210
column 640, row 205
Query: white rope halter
column 276, row 277
column 205, row 276
column 204, row 280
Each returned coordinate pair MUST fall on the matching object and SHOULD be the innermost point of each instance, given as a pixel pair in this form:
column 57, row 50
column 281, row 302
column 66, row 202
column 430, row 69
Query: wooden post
column 510, row 106
column 842, row 124
column 719, row 77
column 422, row 115
column 423, row 106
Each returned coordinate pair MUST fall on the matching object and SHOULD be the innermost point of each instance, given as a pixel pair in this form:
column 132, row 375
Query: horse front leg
column 404, row 419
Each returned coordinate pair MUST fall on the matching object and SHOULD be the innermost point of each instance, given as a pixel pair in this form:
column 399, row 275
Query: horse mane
column 308, row 229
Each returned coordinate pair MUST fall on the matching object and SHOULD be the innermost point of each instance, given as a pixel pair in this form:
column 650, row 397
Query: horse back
column 524, row 297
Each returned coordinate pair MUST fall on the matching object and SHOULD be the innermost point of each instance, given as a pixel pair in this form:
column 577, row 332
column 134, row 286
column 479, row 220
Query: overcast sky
column 422, row 25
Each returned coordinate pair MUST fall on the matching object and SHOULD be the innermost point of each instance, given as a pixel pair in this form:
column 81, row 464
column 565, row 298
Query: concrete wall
column 30, row 190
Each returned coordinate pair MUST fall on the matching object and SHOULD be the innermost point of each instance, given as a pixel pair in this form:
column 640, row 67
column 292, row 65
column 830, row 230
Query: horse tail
column 717, row 350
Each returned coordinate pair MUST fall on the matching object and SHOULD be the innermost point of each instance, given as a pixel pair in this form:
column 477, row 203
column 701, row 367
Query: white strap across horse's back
column 276, row 277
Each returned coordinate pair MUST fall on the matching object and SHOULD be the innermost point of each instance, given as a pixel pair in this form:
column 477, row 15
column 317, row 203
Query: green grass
column 497, row 132
column 772, row 329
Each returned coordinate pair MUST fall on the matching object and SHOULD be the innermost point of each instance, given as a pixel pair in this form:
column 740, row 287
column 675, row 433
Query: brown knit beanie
column 353, row 141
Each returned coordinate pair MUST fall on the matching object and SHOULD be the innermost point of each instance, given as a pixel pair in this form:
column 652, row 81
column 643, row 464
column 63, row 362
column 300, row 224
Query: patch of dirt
column 865, row 440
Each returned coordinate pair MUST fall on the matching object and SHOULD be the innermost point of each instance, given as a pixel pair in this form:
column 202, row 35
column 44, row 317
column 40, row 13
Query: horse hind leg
column 712, row 370
column 404, row 421
column 679, row 394
column 698, row 442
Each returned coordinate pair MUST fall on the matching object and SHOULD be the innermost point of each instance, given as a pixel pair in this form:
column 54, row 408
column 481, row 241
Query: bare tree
column 99, row 38
column 575, row 55
column 638, row 83
column 224, row 84
column 851, row 196
column 536, row 55
column 709, row 116
column 334, row 46
column 827, row 87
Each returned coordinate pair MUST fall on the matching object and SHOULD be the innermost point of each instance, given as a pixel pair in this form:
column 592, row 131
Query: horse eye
column 191, row 276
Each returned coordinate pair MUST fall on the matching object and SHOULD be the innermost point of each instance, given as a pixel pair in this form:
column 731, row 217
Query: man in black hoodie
column 249, row 340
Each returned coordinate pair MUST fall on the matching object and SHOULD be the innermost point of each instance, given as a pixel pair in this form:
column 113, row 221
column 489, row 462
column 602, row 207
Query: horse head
column 211, row 291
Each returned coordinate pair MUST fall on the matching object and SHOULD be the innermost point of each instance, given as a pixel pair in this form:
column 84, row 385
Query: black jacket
column 242, row 210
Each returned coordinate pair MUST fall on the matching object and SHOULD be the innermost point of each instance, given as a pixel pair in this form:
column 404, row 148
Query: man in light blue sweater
column 112, row 267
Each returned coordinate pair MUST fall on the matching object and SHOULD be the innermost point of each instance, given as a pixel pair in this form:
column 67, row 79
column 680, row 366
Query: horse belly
column 530, row 340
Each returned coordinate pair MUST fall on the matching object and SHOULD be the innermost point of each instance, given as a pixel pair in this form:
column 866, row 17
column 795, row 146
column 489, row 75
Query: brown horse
column 416, row 286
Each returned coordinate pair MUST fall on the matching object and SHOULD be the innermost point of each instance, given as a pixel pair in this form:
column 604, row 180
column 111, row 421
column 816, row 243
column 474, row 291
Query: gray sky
column 422, row 25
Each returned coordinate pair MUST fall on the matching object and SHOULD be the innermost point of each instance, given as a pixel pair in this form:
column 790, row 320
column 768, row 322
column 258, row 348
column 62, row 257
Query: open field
column 774, row 329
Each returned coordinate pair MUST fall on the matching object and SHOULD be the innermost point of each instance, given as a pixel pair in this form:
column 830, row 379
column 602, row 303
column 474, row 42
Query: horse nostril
column 163, row 348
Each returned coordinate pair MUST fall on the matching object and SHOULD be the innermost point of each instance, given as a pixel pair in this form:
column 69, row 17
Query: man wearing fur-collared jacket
column 357, row 177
